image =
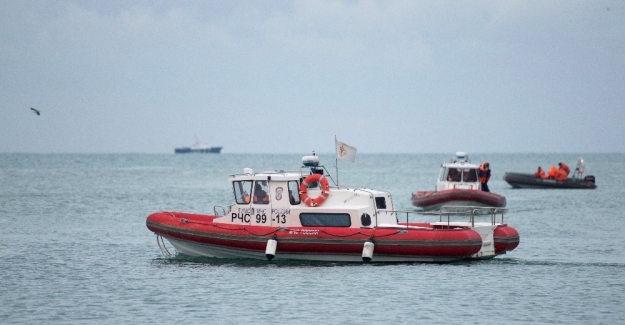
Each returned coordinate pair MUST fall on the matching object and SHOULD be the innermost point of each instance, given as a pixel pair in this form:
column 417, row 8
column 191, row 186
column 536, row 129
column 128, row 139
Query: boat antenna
column 336, row 162
column 579, row 169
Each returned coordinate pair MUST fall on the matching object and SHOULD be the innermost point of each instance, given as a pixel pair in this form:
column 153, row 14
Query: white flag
column 344, row 151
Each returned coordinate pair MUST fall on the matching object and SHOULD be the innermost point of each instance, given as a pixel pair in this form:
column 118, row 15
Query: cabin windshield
column 454, row 174
column 469, row 175
column 242, row 190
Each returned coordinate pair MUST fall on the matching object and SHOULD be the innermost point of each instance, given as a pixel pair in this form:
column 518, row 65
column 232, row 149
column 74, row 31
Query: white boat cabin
column 459, row 173
column 272, row 198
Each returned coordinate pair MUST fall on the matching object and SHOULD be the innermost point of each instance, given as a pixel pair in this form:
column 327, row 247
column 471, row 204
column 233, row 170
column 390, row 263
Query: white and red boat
column 299, row 215
column 458, row 184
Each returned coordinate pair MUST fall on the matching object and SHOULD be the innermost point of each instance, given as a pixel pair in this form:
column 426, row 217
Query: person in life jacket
column 484, row 174
column 260, row 196
column 540, row 173
column 565, row 168
column 561, row 175
column 553, row 171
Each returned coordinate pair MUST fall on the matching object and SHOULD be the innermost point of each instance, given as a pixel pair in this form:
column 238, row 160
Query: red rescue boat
column 300, row 216
column 458, row 184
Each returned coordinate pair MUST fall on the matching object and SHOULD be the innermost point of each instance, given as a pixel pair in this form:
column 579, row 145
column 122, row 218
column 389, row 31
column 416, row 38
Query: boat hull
column 199, row 235
column 434, row 200
column 521, row 180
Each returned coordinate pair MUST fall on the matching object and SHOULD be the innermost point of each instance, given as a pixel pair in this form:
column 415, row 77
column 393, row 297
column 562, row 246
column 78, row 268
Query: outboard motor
column 590, row 179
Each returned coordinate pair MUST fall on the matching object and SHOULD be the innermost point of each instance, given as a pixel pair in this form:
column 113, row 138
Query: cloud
column 379, row 72
column 348, row 34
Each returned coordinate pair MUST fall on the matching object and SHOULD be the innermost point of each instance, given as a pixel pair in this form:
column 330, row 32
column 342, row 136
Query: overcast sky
column 287, row 76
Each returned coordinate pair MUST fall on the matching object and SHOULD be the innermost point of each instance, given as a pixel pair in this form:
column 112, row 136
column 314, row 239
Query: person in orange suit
column 484, row 174
column 561, row 175
column 565, row 168
column 553, row 171
column 540, row 173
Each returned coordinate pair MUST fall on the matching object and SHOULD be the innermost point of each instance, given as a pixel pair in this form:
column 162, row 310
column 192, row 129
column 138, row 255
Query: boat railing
column 408, row 214
column 306, row 171
column 268, row 172
column 579, row 170
column 447, row 212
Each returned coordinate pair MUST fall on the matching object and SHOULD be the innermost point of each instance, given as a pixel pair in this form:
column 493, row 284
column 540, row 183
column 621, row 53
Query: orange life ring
column 325, row 190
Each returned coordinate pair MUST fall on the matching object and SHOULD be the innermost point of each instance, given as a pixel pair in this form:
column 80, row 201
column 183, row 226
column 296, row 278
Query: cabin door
column 273, row 205
column 261, row 204
column 280, row 205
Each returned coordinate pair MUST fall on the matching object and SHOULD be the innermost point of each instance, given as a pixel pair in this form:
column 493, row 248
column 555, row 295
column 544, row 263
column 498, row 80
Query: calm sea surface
column 74, row 248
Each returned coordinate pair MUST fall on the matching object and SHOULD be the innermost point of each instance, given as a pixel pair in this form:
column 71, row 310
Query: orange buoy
column 325, row 190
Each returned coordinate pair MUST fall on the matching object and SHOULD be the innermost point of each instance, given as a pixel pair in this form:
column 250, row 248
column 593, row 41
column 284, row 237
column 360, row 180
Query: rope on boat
column 221, row 227
column 389, row 234
column 360, row 233
column 342, row 236
column 161, row 244
column 265, row 235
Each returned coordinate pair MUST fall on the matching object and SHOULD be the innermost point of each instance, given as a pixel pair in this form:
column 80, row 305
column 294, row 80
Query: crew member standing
column 484, row 174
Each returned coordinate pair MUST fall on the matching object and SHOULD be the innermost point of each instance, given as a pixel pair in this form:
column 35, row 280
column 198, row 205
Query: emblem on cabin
column 279, row 193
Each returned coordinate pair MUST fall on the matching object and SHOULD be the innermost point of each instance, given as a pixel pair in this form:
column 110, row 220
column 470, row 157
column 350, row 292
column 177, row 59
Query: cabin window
column 260, row 193
column 454, row 174
column 469, row 175
column 293, row 192
column 242, row 190
column 380, row 202
column 325, row 219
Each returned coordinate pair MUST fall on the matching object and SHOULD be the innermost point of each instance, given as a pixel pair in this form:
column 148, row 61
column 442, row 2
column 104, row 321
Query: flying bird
column 35, row 110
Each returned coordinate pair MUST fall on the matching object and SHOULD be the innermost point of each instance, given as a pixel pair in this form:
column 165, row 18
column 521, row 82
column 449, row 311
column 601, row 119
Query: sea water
column 74, row 248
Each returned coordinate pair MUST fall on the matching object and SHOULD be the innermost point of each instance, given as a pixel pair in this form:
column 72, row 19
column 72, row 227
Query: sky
column 290, row 76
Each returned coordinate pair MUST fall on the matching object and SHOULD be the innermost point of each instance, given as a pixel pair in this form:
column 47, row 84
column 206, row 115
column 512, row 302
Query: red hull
column 399, row 242
column 429, row 199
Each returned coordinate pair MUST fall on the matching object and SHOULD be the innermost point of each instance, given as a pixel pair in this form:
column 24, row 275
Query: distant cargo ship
column 198, row 147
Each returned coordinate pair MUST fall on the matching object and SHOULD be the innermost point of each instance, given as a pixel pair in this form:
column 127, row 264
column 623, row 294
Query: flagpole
column 336, row 164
